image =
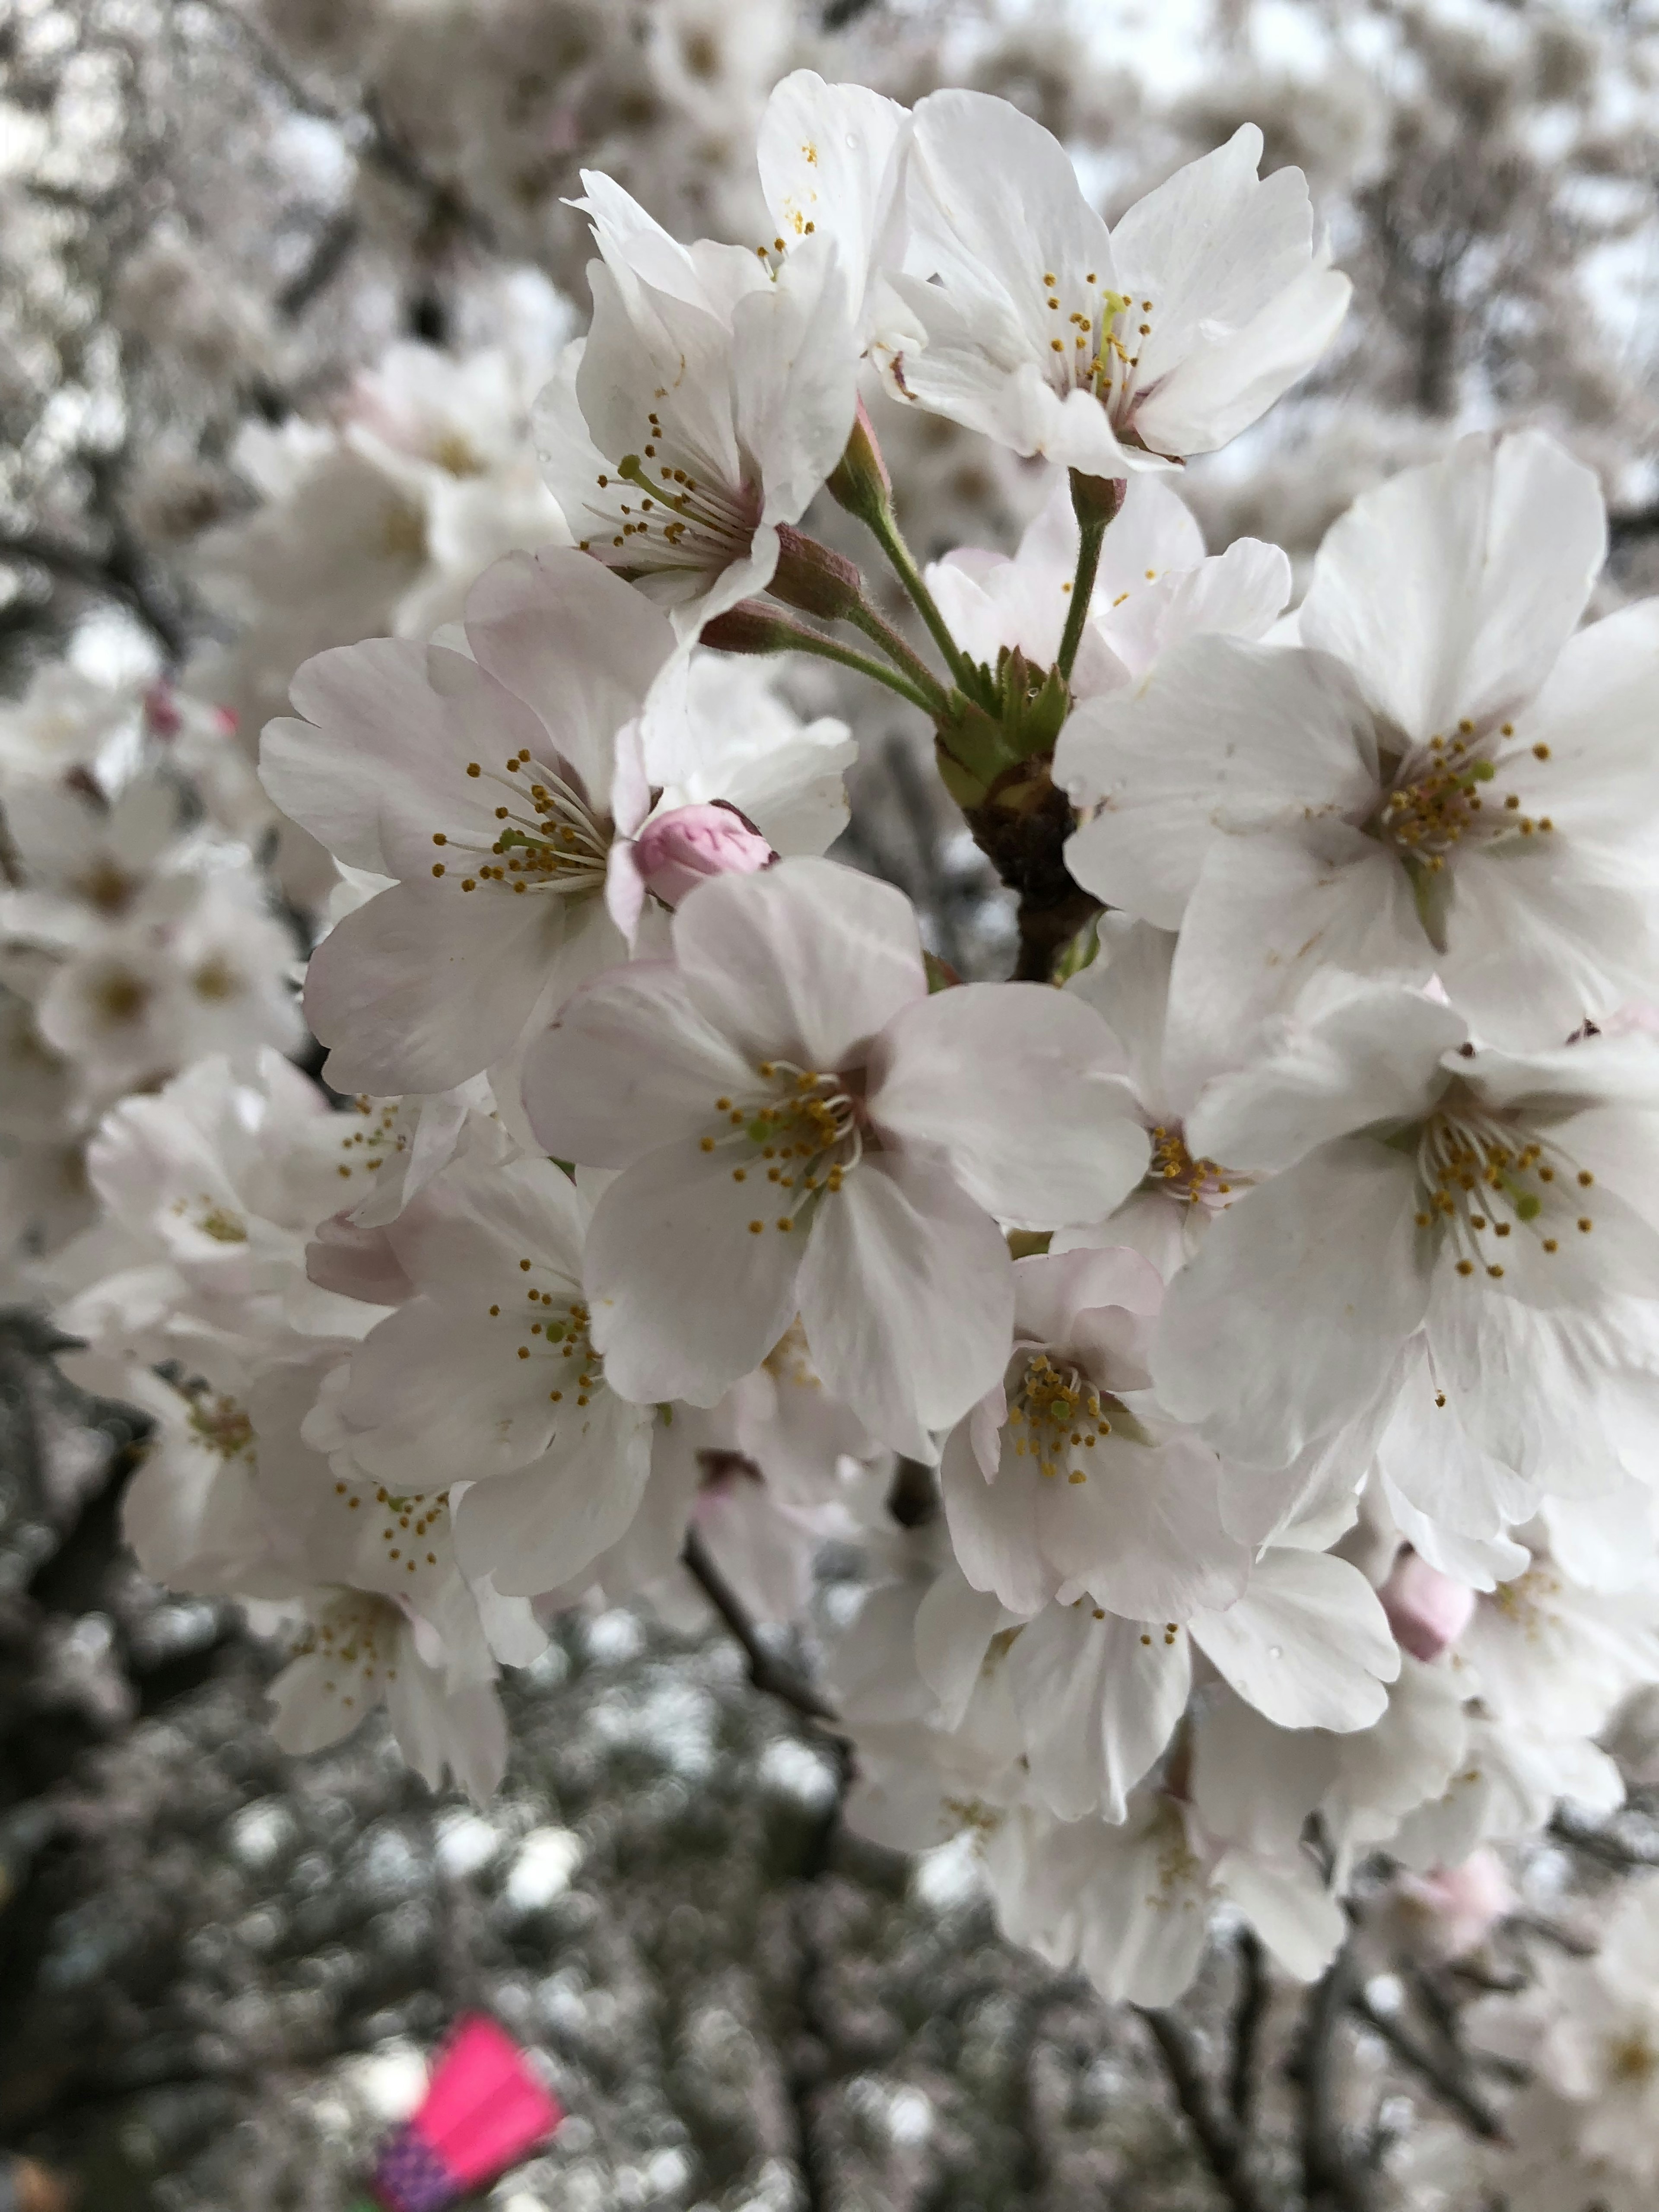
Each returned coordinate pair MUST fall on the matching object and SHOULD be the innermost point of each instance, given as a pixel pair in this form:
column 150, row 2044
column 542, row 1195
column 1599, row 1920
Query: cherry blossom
column 791, row 1110
column 1020, row 315
column 711, row 398
column 1503, row 1204
column 1441, row 779
column 1155, row 585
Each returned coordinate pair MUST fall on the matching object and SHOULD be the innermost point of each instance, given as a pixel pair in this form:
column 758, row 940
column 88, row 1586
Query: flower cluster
column 134, row 934
column 1232, row 1344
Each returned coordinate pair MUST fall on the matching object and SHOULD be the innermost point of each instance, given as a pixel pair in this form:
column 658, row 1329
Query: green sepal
column 1432, row 896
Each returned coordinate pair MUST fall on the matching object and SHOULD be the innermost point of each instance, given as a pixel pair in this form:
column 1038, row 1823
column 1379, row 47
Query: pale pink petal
column 578, row 645
column 1308, row 1644
column 686, row 1298
column 1286, row 1321
column 421, row 988
column 1014, row 1087
column 540, row 1527
column 1098, row 1699
column 805, row 962
column 1220, row 737
column 907, row 1298
column 1442, row 593
column 630, row 1065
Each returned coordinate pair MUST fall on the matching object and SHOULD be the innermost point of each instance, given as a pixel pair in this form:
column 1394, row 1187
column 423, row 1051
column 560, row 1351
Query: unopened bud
column 750, row 627
column 1455, row 1908
column 680, row 849
column 162, row 710
column 1427, row 1610
column 860, row 482
column 811, row 577
column 1097, row 499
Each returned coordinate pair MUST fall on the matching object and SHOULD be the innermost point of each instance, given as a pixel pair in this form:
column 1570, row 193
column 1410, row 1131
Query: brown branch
column 1025, row 842
column 1333, row 2179
column 1223, row 2143
column 118, row 574
column 1599, row 1843
column 1444, row 2079
column 1249, row 2012
column 765, row 1672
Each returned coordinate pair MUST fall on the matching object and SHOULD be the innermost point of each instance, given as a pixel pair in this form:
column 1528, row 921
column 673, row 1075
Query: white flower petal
column 1015, row 1087
column 805, row 962
column 1441, row 592
column 1098, row 1701
column 1308, row 1644
column 908, row 1298
column 630, row 1065
column 685, row 1298
column 1220, row 737
column 1286, row 1322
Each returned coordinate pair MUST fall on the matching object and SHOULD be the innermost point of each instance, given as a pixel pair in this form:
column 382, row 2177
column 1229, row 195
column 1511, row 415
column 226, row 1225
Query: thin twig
column 1332, row 2176
column 876, row 627
column 883, row 527
column 330, row 251
column 765, row 1672
column 1221, row 2143
column 1599, row 1843
column 116, row 574
column 1091, row 536
column 1443, row 2078
column 1249, row 2012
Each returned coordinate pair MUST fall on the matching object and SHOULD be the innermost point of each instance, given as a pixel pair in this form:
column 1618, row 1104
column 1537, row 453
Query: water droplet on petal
column 1275, row 1651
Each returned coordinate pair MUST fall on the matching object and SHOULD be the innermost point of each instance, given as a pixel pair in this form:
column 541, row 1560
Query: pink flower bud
column 1427, row 1610
column 161, row 709
column 1457, row 1907
column 678, row 849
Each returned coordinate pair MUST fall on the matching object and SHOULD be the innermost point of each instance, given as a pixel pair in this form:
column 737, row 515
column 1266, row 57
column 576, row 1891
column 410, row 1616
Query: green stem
column 1090, row 537
column 811, row 641
column 865, row 618
column 886, row 532
column 1095, row 502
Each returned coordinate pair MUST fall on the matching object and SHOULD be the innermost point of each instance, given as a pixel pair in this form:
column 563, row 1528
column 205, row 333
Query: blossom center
column 1059, row 1415
column 551, row 839
column 1191, row 1181
column 797, row 1139
column 556, row 1329
column 355, row 1634
column 1482, row 1179
column 1453, row 792
column 371, row 1146
column 1095, row 339
column 222, row 1425
column 680, row 510
column 1631, row 2056
column 408, row 1521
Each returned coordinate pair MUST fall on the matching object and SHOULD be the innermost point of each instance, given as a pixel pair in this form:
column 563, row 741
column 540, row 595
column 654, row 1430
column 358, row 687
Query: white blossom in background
column 1155, row 586
column 379, row 519
column 1020, row 315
